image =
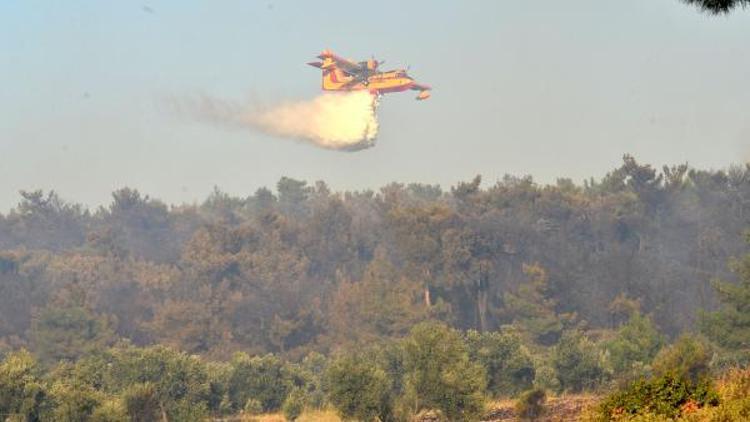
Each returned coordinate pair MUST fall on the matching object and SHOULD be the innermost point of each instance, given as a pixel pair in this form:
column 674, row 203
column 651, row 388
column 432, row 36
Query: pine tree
column 730, row 325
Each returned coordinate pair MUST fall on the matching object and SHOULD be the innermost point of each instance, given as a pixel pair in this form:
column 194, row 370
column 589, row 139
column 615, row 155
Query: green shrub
column 309, row 375
column 689, row 357
column 294, row 404
column 142, row 403
column 664, row 395
column 69, row 333
column 508, row 365
column 358, row 389
column 530, row 406
column 188, row 411
column 729, row 326
column 110, row 410
column 22, row 393
column 265, row 378
column 72, row 402
column 253, row 407
column 734, row 389
column 440, row 375
column 219, row 401
column 545, row 376
column 636, row 344
column 577, row 363
column 177, row 382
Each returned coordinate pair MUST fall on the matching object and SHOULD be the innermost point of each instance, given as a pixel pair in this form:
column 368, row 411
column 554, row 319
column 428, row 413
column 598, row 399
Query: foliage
column 281, row 275
column 265, row 379
column 577, row 363
column 310, row 373
column 530, row 405
column 252, row 407
column 110, row 410
column 719, row 6
column 734, row 389
column 636, row 343
column 22, row 393
column 304, row 268
column 440, row 375
column 160, row 378
column 533, row 309
column 508, row 365
column 730, row 325
column 664, row 395
column 293, row 405
column 72, row 401
column 142, row 403
column 545, row 376
column 358, row 389
column 67, row 333
column 689, row 357
column 383, row 304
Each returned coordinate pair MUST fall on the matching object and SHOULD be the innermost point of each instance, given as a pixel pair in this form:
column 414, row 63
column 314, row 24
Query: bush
column 309, row 375
column 636, row 344
column 142, row 403
column 665, row 395
column 266, row 379
column 729, row 326
column 110, row 410
column 294, row 404
column 508, row 365
column 545, row 376
column 21, row 391
column 177, row 382
column 734, row 389
column 358, row 389
column 577, row 363
column 439, row 374
column 530, row 405
column 253, row 407
column 72, row 402
column 689, row 357
column 188, row 411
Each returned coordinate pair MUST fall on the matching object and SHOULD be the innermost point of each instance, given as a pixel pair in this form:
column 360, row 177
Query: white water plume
column 341, row 121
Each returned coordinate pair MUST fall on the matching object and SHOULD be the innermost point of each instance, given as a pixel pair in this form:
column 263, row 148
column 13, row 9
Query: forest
column 379, row 304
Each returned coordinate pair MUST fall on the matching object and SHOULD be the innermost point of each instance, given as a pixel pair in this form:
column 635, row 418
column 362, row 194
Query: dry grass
column 319, row 416
column 500, row 403
column 307, row 416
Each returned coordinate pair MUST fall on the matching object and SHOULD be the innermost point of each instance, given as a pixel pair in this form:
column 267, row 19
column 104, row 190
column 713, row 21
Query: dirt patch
column 557, row 409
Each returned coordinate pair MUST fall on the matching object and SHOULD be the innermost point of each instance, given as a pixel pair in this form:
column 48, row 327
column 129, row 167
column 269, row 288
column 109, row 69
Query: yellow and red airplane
column 340, row 74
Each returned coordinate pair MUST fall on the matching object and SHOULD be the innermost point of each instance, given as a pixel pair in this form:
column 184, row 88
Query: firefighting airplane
column 340, row 74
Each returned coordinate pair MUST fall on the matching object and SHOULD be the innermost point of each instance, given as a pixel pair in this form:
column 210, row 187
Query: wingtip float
column 341, row 74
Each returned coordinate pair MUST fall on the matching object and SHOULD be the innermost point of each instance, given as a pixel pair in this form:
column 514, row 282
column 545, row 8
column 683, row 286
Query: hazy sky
column 548, row 88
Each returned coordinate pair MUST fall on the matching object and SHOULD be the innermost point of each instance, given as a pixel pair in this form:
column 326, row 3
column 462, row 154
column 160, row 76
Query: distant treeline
column 304, row 268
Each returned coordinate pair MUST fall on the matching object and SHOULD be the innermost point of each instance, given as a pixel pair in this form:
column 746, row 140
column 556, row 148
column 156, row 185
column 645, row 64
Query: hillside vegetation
column 380, row 305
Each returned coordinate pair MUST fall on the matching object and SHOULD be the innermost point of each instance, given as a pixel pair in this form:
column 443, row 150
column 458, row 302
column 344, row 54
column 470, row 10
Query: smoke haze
column 339, row 121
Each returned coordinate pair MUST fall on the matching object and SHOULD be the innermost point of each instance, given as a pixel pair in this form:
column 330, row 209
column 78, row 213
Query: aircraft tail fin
column 333, row 77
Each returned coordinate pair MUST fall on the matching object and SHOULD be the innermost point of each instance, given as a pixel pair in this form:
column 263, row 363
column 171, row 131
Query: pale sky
column 547, row 88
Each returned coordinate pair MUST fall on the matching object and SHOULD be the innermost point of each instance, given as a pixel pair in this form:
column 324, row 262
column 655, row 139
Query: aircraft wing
column 347, row 66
